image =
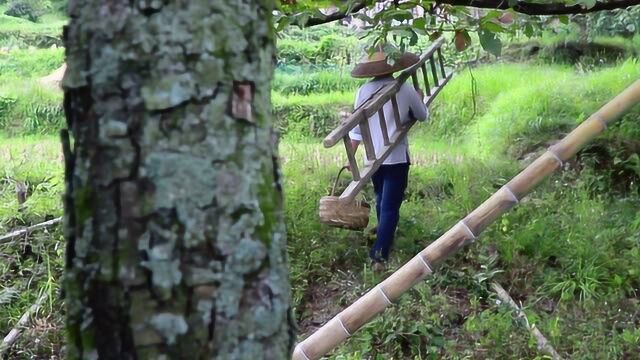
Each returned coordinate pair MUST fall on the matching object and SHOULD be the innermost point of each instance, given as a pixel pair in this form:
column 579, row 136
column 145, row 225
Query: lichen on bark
column 176, row 242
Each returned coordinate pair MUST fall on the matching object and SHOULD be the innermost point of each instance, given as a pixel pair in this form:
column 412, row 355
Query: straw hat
column 376, row 64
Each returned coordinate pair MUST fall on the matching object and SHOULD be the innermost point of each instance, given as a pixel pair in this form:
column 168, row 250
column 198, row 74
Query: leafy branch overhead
column 403, row 21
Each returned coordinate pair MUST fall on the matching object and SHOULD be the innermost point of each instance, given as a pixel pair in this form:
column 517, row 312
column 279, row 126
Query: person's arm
column 417, row 107
column 354, row 145
column 356, row 138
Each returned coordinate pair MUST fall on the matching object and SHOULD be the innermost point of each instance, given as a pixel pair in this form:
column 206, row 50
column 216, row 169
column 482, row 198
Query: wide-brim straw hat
column 376, row 65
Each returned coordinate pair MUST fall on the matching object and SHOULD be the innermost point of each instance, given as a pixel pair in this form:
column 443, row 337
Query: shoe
column 378, row 267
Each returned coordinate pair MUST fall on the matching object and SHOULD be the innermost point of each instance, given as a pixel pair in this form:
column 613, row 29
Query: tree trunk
column 173, row 208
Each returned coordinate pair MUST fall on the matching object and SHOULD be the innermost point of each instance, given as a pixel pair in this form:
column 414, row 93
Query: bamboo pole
column 543, row 343
column 464, row 232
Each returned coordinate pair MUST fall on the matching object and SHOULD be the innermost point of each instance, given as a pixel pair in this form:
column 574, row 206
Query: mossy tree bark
column 174, row 227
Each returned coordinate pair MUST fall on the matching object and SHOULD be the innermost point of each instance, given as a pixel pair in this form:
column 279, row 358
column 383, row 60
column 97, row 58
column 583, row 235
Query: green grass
column 524, row 104
column 570, row 246
column 29, row 63
column 27, row 107
column 31, row 266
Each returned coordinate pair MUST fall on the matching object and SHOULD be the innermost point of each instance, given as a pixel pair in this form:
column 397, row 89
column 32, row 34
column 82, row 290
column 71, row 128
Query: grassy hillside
column 21, row 33
column 571, row 246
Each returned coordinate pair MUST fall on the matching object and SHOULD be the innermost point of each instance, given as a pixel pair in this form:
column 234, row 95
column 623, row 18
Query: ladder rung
column 383, row 126
column 396, row 111
column 434, row 72
column 414, row 78
column 426, row 79
column 351, row 157
column 444, row 73
column 366, row 139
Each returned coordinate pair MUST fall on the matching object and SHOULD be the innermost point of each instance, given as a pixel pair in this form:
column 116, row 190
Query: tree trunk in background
column 173, row 208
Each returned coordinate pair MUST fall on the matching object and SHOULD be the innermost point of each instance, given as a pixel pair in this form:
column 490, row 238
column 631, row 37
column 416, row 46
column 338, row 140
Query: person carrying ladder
column 390, row 180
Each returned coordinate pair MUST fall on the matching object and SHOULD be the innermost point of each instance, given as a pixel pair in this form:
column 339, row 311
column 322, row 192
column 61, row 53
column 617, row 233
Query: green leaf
column 563, row 19
column 420, row 23
column 492, row 27
column 398, row 15
column 462, row 40
column 493, row 14
column 490, row 42
column 282, row 23
column 414, row 39
column 528, row 30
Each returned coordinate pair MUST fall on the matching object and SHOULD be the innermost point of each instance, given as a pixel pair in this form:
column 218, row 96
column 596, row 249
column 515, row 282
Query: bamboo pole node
column 511, row 194
column 555, row 156
column 468, row 230
column 601, row 121
column 303, row 353
column 386, row 298
column 426, row 264
column 342, row 325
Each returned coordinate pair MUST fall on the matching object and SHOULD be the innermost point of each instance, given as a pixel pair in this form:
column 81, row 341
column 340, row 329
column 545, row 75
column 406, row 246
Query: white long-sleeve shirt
column 410, row 107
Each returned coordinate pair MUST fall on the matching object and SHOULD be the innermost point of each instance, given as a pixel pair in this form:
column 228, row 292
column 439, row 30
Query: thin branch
column 521, row 7
column 334, row 16
column 10, row 236
column 13, row 335
column 543, row 343
column 542, row 9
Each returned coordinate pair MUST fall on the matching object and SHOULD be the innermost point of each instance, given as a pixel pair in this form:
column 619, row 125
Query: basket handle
column 333, row 189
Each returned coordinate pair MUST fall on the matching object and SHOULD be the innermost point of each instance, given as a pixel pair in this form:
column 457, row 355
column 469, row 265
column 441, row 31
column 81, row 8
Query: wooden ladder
column 433, row 81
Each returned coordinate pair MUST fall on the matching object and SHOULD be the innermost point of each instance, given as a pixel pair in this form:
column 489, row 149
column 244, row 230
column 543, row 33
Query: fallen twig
column 10, row 236
column 543, row 343
column 13, row 335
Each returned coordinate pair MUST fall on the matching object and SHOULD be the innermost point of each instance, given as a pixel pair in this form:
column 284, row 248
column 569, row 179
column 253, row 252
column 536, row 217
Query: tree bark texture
column 173, row 208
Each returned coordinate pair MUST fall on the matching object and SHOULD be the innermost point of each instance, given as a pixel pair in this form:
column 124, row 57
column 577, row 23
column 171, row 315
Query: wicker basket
column 352, row 215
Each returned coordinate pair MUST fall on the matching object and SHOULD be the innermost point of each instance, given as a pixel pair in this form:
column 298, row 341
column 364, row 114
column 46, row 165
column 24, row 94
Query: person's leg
column 394, row 186
column 378, row 183
column 378, row 187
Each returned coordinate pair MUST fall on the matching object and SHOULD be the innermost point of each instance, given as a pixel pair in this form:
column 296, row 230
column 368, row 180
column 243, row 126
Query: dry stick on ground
column 10, row 236
column 543, row 343
column 13, row 335
column 464, row 232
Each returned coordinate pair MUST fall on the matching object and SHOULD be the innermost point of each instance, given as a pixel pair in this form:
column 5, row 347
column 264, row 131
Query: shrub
column 623, row 22
column 305, row 82
column 329, row 46
column 28, row 9
column 307, row 121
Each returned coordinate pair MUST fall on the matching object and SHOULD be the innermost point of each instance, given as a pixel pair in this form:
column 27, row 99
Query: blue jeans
column 389, row 184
